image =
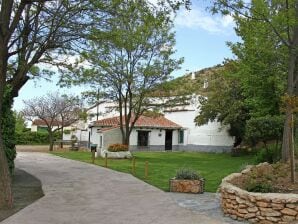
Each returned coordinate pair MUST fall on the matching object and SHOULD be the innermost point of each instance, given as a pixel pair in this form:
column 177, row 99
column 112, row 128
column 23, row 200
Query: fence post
column 106, row 160
column 146, row 170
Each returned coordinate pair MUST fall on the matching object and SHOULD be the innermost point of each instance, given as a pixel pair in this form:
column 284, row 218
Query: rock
column 278, row 200
column 277, row 206
column 263, row 204
column 242, row 206
column 255, row 220
column 240, row 201
column 291, row 206
column 273, row 219
column 252, row 209
column 269, row 212
column 288, row 218
column 265, row 222
column 242, row 211
column 250, row 215
column 288, row 211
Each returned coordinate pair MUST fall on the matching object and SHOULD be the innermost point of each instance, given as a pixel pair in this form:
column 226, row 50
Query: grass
column 163, row 165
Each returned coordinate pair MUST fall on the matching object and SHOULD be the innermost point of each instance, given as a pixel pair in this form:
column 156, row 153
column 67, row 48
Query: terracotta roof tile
column 143, row 121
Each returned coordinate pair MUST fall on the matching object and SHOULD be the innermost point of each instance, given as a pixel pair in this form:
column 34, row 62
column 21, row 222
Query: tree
column 54, row 110
column 32, row 32
column 281, row 18
column 225, row 104
column 21, row 123
column 129, row 57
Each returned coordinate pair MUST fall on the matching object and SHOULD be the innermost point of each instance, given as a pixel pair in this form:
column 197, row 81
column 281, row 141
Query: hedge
column 35, row 138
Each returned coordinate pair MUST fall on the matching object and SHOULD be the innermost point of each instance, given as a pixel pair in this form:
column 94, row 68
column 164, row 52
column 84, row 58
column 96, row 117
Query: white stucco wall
column 109, row 137
column 33, row 128
column 156, row 137
column 211, row 134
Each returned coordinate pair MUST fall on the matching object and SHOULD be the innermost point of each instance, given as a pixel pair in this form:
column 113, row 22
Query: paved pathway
column 78, row 193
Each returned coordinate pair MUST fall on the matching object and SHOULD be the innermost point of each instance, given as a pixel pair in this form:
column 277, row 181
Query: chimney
column 193, row 76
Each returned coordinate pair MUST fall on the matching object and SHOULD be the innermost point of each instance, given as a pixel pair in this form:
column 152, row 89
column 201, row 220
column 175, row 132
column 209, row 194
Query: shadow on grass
column 26, row 189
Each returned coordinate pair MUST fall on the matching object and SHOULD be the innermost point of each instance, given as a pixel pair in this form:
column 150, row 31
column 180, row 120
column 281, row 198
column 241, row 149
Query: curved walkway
column 80, row 193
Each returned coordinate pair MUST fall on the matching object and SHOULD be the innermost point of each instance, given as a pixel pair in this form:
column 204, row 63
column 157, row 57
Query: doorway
column 169, row 140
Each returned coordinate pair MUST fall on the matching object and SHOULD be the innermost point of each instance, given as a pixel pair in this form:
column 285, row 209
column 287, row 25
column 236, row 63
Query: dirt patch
column 32, row 148
column 26, row 189
column 274, row 178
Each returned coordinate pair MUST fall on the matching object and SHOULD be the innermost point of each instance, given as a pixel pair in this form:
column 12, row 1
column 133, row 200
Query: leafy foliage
column 255, row 186
column 264, row 129
column 270, row 154
column 8, row 131
column 130, row 55
column 187, row 174
column 35, row 138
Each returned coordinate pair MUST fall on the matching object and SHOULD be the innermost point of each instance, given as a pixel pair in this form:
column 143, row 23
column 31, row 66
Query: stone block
column 277, row 206
column 288, row 211
column 263, row 204
column 252, row 209
column 187, row 186
column 288, row 218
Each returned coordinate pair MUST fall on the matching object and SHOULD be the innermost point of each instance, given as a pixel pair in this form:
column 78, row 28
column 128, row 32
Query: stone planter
column 187, row 186
column 116, row 155
column 257, row 207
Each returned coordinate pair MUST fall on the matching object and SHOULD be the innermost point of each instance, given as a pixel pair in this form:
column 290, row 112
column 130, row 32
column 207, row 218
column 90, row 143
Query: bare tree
column 54, row 110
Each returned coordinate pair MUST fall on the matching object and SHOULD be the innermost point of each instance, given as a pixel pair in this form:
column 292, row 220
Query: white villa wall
column 33, row 128
column 104, row 110
column 156, row 139
column 209, row 137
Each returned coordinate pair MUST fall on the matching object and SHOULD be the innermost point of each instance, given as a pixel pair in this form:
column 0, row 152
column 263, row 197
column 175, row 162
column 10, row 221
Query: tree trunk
column 285, row 152
column 51, row 141
column 6, row 198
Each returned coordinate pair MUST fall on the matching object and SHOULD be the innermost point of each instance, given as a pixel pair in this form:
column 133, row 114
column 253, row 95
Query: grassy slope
column 163, row 165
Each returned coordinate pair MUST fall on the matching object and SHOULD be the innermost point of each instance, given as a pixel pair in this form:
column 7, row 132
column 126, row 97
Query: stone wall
column 187, row 186
column 257, row 207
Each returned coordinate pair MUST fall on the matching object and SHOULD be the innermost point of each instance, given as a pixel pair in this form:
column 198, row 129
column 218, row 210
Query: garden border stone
column 254, row 207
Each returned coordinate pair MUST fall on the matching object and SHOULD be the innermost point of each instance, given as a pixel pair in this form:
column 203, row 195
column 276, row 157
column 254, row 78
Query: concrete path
column 77, row 192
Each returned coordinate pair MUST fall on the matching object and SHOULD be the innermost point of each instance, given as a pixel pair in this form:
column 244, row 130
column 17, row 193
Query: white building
column 148, row 134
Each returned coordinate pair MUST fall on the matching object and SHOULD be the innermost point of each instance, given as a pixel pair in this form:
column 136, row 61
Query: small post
column 106, row 159
column 133, row 166
column 146, row 169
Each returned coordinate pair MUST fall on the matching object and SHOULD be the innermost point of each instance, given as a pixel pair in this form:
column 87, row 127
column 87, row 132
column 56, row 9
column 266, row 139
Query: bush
column 33, row 138
column 262, row 187
column 271, row 154
column 67, row 132
column 187, row 174
column 117, row 148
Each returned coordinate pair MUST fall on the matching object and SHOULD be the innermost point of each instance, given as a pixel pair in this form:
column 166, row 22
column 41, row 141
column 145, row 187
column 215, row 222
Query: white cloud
column 198, row 18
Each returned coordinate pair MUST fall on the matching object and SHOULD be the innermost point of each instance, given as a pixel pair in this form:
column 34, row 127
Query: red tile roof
column 143, row 121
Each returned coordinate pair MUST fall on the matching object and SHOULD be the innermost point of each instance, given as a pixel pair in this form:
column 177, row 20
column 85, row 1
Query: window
column 143, row 138
column 181, row 136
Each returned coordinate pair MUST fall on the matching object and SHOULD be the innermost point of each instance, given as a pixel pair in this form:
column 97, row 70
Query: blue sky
column 201, row 40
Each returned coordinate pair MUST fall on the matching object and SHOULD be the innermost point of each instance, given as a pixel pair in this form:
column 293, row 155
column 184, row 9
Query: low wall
column 257, row 207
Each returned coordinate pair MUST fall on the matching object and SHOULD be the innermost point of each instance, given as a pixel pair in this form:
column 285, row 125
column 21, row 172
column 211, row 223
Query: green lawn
column 163, row 165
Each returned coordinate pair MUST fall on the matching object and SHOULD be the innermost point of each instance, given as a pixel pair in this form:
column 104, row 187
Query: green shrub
column 256, row 186
column 33, row 138
column 187, row 174
column 271, row 154
column 8, row 132
column 66, row 132
column 118, row 148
